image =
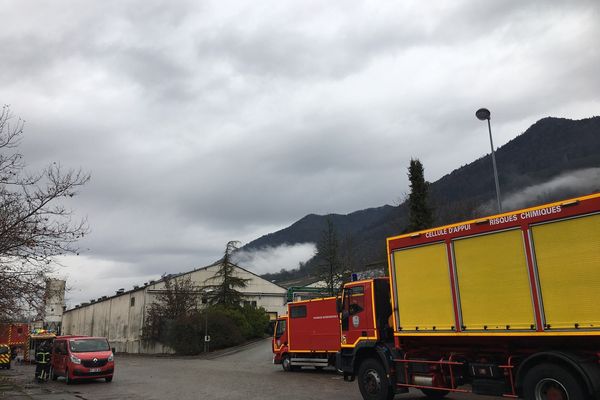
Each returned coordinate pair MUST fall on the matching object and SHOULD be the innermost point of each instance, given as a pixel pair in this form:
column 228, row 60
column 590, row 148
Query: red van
column 82, row 357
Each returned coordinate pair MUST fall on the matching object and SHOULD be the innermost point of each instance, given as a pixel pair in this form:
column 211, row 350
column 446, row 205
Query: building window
column 132, row 301
column 204, row 300
column 253, row 303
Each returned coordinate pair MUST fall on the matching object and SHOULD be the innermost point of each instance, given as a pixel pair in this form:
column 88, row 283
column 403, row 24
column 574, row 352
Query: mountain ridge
column 548, row 148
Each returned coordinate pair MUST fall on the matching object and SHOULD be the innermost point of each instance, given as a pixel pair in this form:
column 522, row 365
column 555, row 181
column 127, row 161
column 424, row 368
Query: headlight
column 111, row 357
column 75, row 360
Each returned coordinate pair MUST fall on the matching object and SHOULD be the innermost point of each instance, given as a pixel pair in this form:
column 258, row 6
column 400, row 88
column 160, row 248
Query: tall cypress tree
column 420, row 213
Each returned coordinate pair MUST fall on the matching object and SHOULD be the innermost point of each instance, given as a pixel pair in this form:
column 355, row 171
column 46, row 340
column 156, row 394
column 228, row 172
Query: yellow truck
column 506, row 305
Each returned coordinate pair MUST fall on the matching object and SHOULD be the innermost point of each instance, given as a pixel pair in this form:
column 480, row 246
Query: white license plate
column 94, row 369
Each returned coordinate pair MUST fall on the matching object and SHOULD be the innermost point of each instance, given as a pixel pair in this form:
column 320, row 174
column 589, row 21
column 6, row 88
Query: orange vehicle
column 309, row 335
column 505, row 305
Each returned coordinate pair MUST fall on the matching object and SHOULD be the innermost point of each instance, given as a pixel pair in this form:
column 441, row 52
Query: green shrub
column 185, row 334
column 223, row 329
column 227, row 327
column 258, row 320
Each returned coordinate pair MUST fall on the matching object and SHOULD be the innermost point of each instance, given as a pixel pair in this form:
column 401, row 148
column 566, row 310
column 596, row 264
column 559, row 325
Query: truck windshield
column 3, row 350
column 88, row 345
column 280, row 328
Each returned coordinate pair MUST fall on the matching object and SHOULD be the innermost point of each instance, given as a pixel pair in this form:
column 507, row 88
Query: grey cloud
column 208, row 122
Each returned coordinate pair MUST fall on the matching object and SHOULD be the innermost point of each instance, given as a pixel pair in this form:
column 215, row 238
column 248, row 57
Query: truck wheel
column 434, row 394
column 373, row 381
column 286, row 362
column 550, row 381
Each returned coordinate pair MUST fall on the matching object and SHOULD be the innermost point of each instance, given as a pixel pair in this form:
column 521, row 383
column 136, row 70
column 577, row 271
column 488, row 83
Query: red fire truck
column 309, row 335
column 506, row 305
column 15, row 336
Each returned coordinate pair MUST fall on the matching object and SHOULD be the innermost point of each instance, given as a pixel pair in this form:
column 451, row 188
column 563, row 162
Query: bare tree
column 35, row 225
column 179, row 298
column 329, row 255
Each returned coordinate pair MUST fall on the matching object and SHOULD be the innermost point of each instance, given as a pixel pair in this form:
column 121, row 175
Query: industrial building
column 120, row 317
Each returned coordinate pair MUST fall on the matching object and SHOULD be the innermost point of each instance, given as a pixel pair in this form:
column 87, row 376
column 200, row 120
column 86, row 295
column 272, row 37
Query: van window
column 88, row 345
column 298, row 311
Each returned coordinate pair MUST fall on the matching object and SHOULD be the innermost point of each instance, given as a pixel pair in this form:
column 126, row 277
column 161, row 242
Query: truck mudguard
column 587, row 371
column 349, row 359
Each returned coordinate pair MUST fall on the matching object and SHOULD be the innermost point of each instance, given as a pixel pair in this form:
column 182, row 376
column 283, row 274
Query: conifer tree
column 225, row 291
column 420, row 213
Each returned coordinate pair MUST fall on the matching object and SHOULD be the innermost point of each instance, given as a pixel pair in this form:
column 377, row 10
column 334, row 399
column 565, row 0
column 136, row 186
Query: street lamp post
column 206, row 335
column 484, row 114
column 205, row 331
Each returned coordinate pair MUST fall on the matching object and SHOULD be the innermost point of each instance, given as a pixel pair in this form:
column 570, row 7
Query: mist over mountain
column 554, row 159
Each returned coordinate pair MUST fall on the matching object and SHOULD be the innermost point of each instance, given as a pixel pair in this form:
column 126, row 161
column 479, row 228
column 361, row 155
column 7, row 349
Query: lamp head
column 483, row 114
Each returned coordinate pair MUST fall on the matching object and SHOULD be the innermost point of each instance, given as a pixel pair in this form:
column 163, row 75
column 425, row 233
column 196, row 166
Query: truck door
column 357, row 313
column 280, row 336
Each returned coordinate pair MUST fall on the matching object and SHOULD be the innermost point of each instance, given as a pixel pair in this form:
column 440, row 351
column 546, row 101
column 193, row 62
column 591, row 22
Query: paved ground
column 246, row 373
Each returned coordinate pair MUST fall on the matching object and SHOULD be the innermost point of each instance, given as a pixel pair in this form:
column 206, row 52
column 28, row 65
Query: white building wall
column 121, row 320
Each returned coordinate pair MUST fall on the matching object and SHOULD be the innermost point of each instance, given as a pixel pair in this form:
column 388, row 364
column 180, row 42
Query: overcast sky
column 204, row 122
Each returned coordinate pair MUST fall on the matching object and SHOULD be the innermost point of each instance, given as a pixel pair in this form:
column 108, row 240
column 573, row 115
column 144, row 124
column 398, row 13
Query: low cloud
column 274, row 259
column 567, row 185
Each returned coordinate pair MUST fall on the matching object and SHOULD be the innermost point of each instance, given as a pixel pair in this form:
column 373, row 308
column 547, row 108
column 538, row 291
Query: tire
column 434, row 394
column 108, row 379
column 373, row 381
column 546, row 381
column 286, row 363
column 8, row 366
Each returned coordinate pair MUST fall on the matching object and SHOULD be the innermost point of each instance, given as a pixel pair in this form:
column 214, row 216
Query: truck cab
column 280, row 340
column 365, row 312
column 366, row 326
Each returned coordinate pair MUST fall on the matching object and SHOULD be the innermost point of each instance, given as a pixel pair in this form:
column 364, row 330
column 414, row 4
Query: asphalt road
column 246, row 373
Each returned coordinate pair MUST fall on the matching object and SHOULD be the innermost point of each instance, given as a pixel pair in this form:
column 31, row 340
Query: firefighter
column 42, row 359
